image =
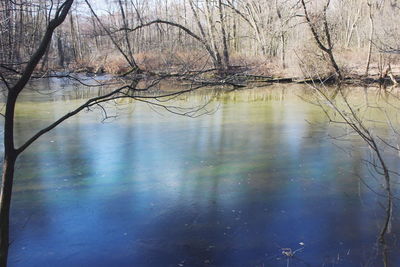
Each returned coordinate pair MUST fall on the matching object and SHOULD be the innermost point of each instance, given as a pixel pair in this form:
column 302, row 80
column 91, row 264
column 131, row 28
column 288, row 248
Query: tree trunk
column 334, row 64
column 128, row 43
column 224, row 38
column 328, row 48
column 208, row 46
column 283, row 58
column 10, row 153
column 211, row 33
column 371, row 35
column 61, row 58
column 10, row 156
column 6, row 191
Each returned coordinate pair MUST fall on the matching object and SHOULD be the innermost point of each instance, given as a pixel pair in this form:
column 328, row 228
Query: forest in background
column 268, row 37
column 314, row 39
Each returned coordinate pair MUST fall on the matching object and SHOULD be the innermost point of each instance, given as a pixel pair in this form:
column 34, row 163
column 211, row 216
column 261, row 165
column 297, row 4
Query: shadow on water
column 239, row 187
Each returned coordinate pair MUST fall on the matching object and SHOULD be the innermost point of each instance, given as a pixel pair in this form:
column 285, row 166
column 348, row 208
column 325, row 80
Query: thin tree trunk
column 282, row 34
column 328, row 49
column 73, row 38
column 203, row 35
column 79, row 38
column 128, row 43
column 283, row 52
column 224, row 39
column 352, row 27
column 131, row 61
column 60, row 49
column 371, row 33
column 386, row 228
column 211, row 33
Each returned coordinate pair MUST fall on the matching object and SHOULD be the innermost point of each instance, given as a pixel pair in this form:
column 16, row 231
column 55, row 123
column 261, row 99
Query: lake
column 257, row 175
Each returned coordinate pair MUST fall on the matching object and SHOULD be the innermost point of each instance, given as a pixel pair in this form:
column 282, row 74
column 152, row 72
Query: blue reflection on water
column 230, row 189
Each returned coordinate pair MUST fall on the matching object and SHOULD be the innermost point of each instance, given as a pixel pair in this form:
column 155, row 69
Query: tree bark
column 10, row 153
column 6, row 192
column 61, row 58
column 224, row 38
column 211, row 33
column 371, row 34
column 10, row 156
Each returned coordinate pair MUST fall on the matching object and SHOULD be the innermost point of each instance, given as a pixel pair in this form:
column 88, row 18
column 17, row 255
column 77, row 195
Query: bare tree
column 224, row 35
column 129, row 57
column 10, row 152
column 371, row 35
column 130, row 89
column 328, row 46
column 340, row 111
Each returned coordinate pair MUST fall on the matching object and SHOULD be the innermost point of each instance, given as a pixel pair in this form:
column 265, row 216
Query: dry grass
column 300, row 62
column 173, row 61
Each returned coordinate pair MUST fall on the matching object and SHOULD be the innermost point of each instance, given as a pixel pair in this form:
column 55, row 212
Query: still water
column 231, row 188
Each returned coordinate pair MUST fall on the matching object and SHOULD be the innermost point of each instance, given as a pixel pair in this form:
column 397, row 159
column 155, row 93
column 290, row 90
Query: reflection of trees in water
column 222, row 149
column 67, row 89
column 372, row 118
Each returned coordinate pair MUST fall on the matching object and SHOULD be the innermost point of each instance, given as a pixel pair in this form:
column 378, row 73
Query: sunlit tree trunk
column 371, row 34
column 224, row 38
column 211, row 33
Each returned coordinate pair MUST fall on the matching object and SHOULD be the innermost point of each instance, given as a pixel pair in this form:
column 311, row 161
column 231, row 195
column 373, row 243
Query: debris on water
column 287, row 252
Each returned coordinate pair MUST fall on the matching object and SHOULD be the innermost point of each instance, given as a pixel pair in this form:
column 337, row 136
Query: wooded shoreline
column 202, row 43
column 243, row 79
